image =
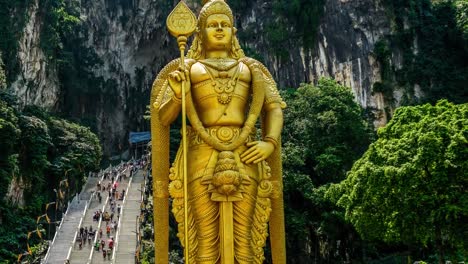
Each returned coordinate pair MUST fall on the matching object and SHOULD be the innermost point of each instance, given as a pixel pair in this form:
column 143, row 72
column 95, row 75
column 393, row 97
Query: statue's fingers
column 246, row 152
column 251, row 155
column 253, row 158
column 253, row 143
column 182, row 76
column 258, row 160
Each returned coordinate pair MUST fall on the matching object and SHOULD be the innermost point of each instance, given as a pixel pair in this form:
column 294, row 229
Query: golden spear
column 181, row 23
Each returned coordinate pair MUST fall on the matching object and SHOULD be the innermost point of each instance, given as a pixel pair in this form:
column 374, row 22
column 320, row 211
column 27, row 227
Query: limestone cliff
column 37, row 82
column 130, row 39
column 347, row 33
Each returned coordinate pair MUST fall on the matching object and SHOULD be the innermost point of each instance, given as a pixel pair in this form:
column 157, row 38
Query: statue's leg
column 206, row 214
column 205, row 211
column 243, row 217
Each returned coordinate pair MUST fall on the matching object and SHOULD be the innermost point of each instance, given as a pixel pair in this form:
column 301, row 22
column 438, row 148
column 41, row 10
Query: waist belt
column 224, row 134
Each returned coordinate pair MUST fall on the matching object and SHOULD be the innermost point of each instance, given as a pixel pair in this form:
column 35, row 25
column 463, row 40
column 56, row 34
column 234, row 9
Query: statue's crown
column 211, row 7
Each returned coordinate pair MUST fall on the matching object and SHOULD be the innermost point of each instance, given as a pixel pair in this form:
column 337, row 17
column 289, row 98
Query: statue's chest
column 221, row 84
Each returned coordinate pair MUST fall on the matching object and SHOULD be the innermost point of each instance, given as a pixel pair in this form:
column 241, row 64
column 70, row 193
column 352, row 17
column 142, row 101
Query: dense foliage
column 38, row 151
column 410, row 186
column 324, row 132
column 431, row 38
column 61, row 19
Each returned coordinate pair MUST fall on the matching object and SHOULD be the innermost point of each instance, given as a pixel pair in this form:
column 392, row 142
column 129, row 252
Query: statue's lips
column 219, row 36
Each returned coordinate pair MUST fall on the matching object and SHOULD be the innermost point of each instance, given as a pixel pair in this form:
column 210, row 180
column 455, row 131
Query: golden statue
column 233, row 176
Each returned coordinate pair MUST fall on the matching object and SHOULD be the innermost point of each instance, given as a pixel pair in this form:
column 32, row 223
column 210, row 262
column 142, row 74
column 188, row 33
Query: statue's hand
column 175, row 82
column 257, row 151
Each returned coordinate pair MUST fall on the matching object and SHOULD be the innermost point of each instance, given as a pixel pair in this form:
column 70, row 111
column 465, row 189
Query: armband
column 272, row 140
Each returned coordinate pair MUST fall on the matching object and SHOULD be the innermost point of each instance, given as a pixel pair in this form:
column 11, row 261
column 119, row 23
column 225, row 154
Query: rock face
column 130, row 38
column 347, row 35
column 343, row 49
column 37, row 82
column 15, row 193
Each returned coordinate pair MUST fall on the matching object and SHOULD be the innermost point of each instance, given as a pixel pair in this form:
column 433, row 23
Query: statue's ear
column 235, row 30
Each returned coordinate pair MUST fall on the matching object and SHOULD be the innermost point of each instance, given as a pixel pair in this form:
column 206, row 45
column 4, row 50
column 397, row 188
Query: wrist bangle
column 272, row 140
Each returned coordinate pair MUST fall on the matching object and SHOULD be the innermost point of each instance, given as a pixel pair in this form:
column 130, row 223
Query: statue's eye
column 212, row 25
column 225, row 25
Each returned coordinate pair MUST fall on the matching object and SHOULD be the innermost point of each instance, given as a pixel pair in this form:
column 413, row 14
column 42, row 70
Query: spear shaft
column 181, row 23
column 182, row 41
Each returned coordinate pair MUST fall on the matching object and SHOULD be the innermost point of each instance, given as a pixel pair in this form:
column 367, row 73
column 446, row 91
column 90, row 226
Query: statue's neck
column 215, row 54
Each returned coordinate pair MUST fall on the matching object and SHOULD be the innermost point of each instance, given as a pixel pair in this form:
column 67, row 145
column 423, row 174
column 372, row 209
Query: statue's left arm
column 273, row 123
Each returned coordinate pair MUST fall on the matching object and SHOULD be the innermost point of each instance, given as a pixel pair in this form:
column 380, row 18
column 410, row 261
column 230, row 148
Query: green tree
column 9, row 133
column 410, row 186
column 36, row 150
column 324, row 133
column 61, row 18
column 35, row 143
column 76, row 150
column 461, row 7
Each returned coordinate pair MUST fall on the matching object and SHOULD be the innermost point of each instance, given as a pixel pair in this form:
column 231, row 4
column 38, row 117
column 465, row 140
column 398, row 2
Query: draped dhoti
column 222, row 191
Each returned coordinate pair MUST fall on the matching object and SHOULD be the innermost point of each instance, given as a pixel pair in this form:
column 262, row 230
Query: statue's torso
column 220, row 91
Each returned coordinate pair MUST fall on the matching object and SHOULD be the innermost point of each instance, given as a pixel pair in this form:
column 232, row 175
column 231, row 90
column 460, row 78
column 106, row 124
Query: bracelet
column 272, row 140
column 176, row 100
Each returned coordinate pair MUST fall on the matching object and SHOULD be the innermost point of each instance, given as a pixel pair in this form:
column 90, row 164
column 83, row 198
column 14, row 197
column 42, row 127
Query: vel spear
column 181, row 23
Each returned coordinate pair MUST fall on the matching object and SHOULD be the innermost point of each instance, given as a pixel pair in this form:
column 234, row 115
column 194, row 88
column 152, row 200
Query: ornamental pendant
column 224, row 98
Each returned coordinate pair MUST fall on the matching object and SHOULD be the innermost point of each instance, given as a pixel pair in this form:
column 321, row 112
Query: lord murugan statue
column 233, row 175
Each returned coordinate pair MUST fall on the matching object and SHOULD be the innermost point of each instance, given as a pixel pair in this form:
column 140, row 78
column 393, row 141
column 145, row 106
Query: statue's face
column 218, row 33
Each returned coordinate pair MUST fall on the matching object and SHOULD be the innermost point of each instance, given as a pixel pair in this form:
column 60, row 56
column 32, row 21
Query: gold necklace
column 222, row 64
column 222, row 84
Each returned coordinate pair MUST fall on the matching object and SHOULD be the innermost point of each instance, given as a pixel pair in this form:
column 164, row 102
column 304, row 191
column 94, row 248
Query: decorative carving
column 161, row 189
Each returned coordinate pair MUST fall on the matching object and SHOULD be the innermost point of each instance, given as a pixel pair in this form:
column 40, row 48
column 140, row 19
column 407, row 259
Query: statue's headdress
column 211, row 7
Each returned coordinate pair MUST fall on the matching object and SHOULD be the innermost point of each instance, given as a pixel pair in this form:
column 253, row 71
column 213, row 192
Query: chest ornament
column 223, row 85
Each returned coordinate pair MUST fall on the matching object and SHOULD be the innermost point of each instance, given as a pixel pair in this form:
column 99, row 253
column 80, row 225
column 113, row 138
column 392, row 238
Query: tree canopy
column 37, row 151
column 410, row 185
column 324, row 133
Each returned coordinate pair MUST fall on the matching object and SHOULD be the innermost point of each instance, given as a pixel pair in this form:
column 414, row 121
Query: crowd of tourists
column 113, row 209
column 105, row 244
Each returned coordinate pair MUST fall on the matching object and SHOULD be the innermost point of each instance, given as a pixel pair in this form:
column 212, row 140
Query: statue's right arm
column 169, row 110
